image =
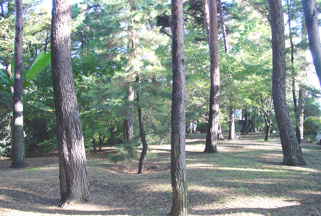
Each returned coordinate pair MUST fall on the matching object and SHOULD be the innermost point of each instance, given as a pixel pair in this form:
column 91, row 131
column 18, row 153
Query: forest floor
column 246, row 177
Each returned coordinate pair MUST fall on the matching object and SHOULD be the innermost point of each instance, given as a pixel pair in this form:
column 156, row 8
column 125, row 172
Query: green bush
column 202, row 127
column 312, row 125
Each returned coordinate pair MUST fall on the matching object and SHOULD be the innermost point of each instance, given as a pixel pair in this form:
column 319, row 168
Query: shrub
column 312, row 125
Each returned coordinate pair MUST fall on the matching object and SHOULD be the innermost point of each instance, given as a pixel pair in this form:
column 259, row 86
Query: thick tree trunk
column 142, row 134
column 231, row 133
column 213, row 123
column 178, row 163
column 291, row 149
column 18, row 151
column 72, row 158
column 311, row 19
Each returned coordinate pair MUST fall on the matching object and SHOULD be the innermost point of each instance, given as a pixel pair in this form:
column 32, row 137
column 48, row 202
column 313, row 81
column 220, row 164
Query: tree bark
column 129, row 121
column 18, row 151
column 311, row 19
column 302, row 96
column 223, row 27
column 178, row 163
column 231, row 133
column 291, row 149
column 213, row 122
column 142, row 134
column 71, row 149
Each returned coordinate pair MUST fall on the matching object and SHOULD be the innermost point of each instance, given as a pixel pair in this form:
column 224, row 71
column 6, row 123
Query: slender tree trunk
column 267, row 130
column 311, row 19
column 142, row 134
column 302, row 96
column 291, row 148
column 295, row 104
column 223, row 27
column 245, row 124
column 9, row 74
column 212, row 131
column 18, row 153
column 178, row 163
column 95, row 145
column 71, row 148
column 231, row 133
column 129, row 121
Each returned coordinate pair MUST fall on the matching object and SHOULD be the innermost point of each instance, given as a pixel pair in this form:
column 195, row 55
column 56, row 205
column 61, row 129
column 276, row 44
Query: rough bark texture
column 213, row 122
column 311, row 19
column 291, row 149
column 231, row 133
column 72, row 158
column 178, row 163
column 18, row 146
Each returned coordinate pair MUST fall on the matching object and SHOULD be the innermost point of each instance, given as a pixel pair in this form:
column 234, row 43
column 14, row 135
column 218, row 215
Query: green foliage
column 127, row 152
column 312, row 125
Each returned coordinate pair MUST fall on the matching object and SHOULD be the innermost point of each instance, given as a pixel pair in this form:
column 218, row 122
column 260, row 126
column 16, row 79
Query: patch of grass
column 245, row 177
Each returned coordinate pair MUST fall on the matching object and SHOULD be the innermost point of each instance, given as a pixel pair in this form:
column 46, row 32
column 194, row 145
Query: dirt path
column 244, row 178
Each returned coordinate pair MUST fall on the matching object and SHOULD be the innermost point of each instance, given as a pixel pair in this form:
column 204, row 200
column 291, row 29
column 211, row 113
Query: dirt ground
column 245, row 177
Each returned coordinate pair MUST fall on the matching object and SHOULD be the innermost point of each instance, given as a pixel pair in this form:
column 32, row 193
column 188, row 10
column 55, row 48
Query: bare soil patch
column 245, row 177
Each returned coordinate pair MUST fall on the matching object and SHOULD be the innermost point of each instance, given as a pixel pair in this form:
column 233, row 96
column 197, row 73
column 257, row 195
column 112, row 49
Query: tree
column 213, row 122
column 311, row 19
column 292, row 154
column 178, row 163
column 18, row 153
column 72, row 158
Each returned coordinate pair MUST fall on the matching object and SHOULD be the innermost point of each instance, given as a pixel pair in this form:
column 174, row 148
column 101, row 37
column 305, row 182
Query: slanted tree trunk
column 231, row 133
column 291, row 149
column 142, row 134
column 311, row 19
column 18, row 151
column 213, row 122
column 71, row 148
column 178, row 163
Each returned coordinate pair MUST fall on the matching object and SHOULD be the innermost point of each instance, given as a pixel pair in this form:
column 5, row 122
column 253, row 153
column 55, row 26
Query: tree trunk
column 18, row 151
column 142, row 134
column 212, row 131
column 95, row 145
column 267, row 130
column 8, row 71
column 72, row 158
column 245, row 124
column 178, row 163
column 291, row 149
column 231, row 133
column 302, row 96
column 295, row 104
column 129, row 121
column 311, row 19
column 223, row 27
